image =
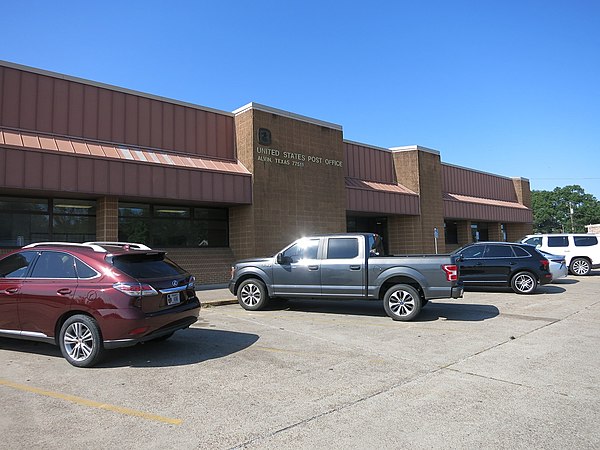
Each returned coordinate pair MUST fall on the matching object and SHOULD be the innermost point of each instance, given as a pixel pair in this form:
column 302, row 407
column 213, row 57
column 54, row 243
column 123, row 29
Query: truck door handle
column 313, row 267
column 354, row 267
column 12, row 290
column 64, row 291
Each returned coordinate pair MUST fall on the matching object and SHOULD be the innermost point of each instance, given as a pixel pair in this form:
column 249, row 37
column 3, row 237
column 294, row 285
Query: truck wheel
column 402, row 302
column 580, row 266
column 80, row 341
column 252, row 295
column 523, row 283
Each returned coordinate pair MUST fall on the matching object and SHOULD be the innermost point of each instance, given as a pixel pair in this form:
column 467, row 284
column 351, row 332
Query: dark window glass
column 83, row 270
column 342, row 248
column 173, row 226
column 175, row 212
column 585, row 241
column 475, row 251
column 74, row 207
column 305, row 249
column 520, row 251
column 147, row 266
column 27, row 220
column 375, row 246
column 534, row 241
column 15, row 266
column 18, row 229
column 498, row 251
column 54, row 265
column 23, row 204
column 134, row 210
column 558, row 241
column 451, row 232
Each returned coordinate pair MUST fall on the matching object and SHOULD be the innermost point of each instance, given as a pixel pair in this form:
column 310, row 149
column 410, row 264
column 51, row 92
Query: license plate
column 173, row 299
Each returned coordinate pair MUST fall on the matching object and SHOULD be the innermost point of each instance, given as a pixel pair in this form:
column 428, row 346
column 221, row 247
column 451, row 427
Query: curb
column 211, row 303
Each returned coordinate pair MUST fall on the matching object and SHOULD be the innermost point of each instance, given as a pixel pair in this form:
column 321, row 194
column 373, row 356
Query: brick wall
column 208, row 265
column 297, row 190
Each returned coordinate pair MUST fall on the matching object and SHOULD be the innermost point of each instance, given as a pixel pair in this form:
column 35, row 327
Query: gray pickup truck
column 346, row 266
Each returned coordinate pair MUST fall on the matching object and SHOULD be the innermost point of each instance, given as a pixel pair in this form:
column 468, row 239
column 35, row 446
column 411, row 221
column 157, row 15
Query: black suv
column 520, row 266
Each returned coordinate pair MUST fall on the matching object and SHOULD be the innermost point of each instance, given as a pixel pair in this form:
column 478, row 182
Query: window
column 342, row 248
column 173, row 226
column 26, row 220
column 535, row 241
column 558, row 241
column 375, row 246
column 16, row 266
column 147, row 266
column 304, row 249
column 475, row 251
column 451, row 232
column 520, row 251
column 585, row 241
column 73, row 220
column 83, row 270
column 54, row 265
column 498, row 251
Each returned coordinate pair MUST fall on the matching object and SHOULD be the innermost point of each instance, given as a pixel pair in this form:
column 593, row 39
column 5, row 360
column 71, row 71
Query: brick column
column 107, row 219
column 464, row 232
column 420, row 170
column 523, row 191
column 495, row 232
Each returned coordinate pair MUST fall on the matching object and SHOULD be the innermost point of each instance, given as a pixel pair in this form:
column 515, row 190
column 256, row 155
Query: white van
column 582, row 251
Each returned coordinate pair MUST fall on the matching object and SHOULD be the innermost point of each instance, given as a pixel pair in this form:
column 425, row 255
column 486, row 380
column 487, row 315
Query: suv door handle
column 313, row 267
column 354, row 267
column 12, row 290
column 64, row 291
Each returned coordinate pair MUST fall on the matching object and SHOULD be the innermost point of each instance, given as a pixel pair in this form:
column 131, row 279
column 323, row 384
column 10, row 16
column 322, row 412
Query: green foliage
column 552, row 210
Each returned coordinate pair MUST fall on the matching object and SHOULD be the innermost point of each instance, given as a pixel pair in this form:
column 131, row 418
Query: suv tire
column 80, row 341
column 402, row 302
column 523, row 283
column 252, row 295
column 580, row 267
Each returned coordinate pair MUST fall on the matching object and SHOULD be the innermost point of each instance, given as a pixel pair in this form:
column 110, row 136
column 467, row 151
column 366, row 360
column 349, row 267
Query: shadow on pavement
column 545, row 289
column 432, row 311
column 190, row 346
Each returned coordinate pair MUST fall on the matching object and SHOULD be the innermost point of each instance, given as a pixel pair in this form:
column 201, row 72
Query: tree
column 565, row 209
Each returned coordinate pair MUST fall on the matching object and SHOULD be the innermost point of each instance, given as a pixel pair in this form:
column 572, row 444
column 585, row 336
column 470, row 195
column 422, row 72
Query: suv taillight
column 545, row 264
column 135, row 289
column 192, row 283
column 451, row 272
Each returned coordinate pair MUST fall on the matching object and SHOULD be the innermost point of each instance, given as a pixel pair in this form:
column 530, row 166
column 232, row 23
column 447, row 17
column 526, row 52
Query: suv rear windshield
column 147, row 266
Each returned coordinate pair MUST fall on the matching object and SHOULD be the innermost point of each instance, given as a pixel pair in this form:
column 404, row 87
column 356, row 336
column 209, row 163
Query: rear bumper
column 458, row 291
column 122, row 331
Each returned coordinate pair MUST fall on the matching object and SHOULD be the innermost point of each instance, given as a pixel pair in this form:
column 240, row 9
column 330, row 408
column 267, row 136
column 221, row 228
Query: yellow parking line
column 91, row 403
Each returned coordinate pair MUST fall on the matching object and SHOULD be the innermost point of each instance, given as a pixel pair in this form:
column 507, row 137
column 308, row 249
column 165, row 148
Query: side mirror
column 282, row 260
column 461, row 257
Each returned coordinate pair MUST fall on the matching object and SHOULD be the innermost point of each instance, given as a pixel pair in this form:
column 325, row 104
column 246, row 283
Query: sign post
column 436, row 235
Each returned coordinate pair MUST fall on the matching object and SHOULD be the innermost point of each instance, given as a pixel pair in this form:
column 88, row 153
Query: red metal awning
column 382, row 198
column 459, row 206
column 57, row 163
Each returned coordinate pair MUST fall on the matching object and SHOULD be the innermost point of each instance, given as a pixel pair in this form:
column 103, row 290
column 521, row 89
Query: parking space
column 493, row 369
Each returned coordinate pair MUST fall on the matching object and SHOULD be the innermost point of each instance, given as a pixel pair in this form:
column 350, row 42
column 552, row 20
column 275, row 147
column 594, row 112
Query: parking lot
column 491, row 370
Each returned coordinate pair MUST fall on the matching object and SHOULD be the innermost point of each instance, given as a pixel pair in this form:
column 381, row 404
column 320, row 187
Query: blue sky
column 508, row 87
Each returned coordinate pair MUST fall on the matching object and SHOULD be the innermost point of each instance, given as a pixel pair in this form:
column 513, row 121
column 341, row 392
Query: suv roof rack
column 91, row 245
column 131, row 245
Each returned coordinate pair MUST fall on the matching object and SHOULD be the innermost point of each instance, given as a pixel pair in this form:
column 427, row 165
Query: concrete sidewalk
column 215, row 295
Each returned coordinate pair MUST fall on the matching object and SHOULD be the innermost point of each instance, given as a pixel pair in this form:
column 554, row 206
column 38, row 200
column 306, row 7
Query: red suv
column 94, row 296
